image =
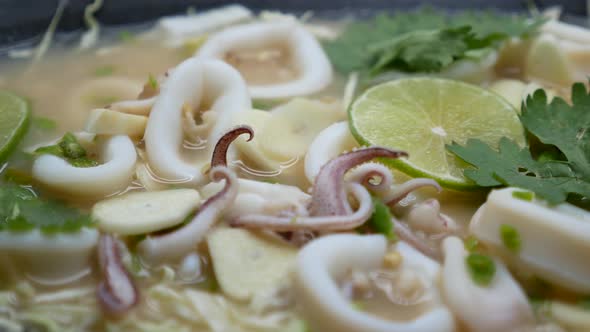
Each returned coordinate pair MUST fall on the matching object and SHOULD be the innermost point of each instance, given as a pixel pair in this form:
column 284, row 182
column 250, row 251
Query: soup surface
column 232, row 171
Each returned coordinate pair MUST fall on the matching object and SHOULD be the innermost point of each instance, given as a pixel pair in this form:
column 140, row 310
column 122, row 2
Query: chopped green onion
column 510, row 237
column 71, row 148
column 107, row 70
column 51, row 149
column 380, row 221
column 524, row 195
column 481, row 268
column 152, row 81
column 471, row 243
column 358, row 305
column 263, row 105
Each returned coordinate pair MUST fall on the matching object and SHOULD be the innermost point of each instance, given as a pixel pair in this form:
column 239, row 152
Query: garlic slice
column 113, row 175
column 503, row 299
column 194, row 82
column 550, row 237
column 327, row 259
column 247, row 264
column 307, row 55
column 145, row 212
column 107, row 122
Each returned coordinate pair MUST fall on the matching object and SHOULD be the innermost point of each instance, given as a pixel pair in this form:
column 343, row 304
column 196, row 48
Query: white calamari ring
column 308, row 56
column 329, row 143
column 113, row 175
column 194, row 81
column 329, row 258
column 503, row 296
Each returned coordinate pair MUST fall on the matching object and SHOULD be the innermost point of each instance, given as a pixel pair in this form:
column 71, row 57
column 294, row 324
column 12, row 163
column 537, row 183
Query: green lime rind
column 408, row 108
column 15, row 119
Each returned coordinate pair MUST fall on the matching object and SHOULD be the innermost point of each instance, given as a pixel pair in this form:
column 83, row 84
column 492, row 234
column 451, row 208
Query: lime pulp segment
column 15, row 116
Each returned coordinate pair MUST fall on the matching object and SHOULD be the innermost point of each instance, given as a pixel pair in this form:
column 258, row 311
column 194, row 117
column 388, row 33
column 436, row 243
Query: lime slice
column 15, row 116
column 422, row 115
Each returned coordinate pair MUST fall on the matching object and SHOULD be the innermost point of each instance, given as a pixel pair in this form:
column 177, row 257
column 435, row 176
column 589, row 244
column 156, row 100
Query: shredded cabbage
column 90, row 37
column 48, row 37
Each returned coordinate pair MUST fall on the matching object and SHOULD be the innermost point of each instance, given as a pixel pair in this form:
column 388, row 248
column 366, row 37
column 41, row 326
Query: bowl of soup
column 238, row 168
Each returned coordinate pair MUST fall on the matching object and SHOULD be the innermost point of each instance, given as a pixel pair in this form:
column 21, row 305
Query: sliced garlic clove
column 503, row 296
column 247, row 264
column 64, row 255
column 548, row 236
column 294, row 125
column 145, row 212
column 328, row 144
column 325, row 260
column 113, row 175
column 546, row 61
column 306, row 54
column 107, row 122
column 251, row 150
column 194, row 82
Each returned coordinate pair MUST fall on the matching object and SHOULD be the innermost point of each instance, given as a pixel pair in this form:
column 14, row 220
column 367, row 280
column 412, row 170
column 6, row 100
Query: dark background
column 27, row 19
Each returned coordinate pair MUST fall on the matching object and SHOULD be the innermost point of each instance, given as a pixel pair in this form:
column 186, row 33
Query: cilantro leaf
column 559, row 126
column 563, row 126
column 423, row 50
column 424, row 40
column 22, row 210
column 514, row 166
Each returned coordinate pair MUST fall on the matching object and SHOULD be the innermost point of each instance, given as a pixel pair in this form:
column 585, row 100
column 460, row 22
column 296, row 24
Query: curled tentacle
column 116, row 293
column 377, row 177
column 404, row 189
column 315, row 223
column 406, row 234
column 219, row 157
column 181, row 241
column 329, row 196
column 426, row 216
column 193, row 82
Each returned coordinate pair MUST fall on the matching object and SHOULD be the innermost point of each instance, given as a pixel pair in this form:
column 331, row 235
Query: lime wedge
column 15, row 116
column 422, row 115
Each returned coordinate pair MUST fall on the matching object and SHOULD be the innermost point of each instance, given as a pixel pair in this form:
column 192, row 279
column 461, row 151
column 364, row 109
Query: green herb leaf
column 424, row 40
column 481, row 268
column 103, row 71
column 524, row 195
column 70, row 149
column 471, row 243
column 22, row 210
column 557, row 125
column 510, row 238
column 152, row 82
column 380, row 221
column 422, row 50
